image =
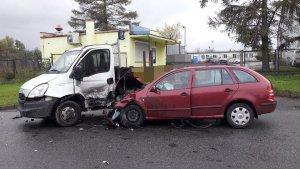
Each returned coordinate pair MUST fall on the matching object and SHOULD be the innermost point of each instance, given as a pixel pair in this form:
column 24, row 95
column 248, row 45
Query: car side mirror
column 154, row 89
column 78, row 73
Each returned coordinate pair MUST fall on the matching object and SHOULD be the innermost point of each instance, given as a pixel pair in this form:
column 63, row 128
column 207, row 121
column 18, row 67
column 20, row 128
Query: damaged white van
column 81, row 79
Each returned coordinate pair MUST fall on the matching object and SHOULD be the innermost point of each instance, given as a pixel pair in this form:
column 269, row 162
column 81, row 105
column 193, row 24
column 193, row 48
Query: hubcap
column 240, row 116
column 133, row 115
column 68, row 113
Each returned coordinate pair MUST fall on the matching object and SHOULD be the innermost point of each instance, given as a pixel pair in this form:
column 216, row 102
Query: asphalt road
column 273, row 141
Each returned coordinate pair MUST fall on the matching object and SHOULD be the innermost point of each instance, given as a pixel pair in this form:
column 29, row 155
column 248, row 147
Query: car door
column 97, row 69
column 171, row 97
column 212, row 88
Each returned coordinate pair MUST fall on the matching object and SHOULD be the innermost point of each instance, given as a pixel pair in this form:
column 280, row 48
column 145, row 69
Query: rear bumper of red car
column 267, row 107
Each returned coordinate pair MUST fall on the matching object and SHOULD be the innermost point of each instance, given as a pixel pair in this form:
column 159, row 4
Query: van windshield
column 64, row 63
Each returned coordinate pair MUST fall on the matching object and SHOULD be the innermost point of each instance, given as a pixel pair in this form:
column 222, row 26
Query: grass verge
column 9, row 94
column 286, row 85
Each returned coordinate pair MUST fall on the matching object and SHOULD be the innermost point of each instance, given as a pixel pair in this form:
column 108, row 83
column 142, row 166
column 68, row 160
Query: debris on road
column 80, row 129
column 105, row 162
column 35, row 150
column 16, row 117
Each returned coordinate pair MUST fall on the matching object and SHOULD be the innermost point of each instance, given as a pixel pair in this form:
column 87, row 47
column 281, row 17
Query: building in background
column 134, row 42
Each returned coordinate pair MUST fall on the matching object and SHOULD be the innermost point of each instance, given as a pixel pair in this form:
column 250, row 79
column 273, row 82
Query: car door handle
column 228, row 90
column 183, row 94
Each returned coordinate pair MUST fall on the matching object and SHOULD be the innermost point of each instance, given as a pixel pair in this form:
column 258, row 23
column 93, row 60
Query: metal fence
column 21, row 65
column 280, row 61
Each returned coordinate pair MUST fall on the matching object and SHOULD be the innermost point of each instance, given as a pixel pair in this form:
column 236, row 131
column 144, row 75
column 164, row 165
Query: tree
column 170, row 31
column 107, row 14
column 255, row 22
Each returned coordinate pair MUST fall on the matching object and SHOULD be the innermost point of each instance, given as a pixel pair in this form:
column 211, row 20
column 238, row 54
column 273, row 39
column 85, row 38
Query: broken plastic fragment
column 35, row 150
column 116, row 115
column 131, row 129
column 80, row 128
column 105, row 162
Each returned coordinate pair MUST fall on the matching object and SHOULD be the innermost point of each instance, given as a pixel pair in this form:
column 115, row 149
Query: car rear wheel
column 239, row 115
column 68, row 113
column 132, row 116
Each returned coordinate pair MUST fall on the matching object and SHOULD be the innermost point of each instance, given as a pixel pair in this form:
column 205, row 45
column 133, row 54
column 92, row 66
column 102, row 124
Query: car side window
column 209, row 77
column 179, row 80
column 97, row 61
column 243, row 77
column 226, row 79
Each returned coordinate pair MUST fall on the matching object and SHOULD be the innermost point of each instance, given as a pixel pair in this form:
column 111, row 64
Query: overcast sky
column 24, row 19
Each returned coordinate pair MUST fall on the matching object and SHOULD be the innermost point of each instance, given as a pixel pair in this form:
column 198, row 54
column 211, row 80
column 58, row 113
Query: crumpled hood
column 44, row 78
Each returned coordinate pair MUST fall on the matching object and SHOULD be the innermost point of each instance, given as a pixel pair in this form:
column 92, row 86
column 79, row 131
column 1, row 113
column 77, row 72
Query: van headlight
column 38, row 91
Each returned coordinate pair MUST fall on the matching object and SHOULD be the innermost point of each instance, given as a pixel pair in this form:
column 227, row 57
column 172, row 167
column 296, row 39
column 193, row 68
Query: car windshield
column 64, row 63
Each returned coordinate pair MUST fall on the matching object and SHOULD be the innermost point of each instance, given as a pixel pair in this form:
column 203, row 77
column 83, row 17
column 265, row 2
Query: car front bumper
column 36, row 109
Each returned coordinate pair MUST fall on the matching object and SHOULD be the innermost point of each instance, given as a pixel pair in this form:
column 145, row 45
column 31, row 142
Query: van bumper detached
column 36, row 109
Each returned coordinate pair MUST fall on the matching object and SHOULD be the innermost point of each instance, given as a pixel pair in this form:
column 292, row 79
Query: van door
column 97, row 69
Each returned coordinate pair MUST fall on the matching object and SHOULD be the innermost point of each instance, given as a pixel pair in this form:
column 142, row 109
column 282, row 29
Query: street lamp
column 179, row 25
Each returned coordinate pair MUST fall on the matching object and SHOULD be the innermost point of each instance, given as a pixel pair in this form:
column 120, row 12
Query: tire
column 67, row 113
column 239, row 115
column 132, row 116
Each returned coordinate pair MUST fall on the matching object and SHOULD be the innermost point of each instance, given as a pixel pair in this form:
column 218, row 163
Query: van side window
column 210, row 77
column 243, row 77
column 97, row 61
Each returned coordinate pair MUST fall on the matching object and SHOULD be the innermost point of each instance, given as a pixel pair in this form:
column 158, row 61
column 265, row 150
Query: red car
column 235, row 93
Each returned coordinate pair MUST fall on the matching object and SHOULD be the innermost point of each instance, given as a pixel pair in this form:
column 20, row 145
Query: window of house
column 234, row 56
column 174, row 81
column 97, row 61
column 243, row 77
column 225, row 56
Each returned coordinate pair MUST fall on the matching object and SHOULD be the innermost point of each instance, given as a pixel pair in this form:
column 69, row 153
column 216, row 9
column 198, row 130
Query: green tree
column 6, row 47
column 255, row 22
column 107, row 14
column 170, row 31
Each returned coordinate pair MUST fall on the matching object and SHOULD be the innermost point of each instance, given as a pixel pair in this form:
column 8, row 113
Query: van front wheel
column 68, row 113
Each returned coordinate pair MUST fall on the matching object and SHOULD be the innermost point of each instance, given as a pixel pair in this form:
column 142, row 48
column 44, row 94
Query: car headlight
column 38, row 91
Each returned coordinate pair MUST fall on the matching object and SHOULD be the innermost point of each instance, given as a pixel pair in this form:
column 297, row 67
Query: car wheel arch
column 241, row 101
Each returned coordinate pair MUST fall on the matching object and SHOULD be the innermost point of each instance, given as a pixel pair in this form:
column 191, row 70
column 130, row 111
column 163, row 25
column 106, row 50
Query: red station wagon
column 235, row 93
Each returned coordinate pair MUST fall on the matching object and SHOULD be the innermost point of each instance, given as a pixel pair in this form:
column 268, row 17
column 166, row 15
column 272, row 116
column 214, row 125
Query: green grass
column 286, row 83
column 286, row 68
column 9, row 94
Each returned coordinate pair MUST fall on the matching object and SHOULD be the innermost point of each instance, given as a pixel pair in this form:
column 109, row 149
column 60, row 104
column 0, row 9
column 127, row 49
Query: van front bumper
column 36, row 108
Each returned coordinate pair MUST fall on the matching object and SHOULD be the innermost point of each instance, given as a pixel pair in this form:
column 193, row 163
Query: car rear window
column 243, row 77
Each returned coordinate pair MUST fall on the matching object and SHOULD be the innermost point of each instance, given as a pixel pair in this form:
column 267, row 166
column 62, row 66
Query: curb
column 8, row 107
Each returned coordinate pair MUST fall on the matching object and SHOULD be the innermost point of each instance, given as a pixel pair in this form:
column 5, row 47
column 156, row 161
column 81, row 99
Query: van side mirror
column 78, row 73
column 110, row 81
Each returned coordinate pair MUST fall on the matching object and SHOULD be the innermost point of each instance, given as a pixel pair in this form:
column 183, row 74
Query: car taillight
column 270, row 95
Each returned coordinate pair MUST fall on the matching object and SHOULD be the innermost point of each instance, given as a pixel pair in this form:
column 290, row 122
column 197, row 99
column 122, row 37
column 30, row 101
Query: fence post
column 144, row 58
column 14, row 67
column 51, row 59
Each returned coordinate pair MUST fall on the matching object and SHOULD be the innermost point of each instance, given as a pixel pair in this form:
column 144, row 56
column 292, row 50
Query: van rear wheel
column 68, row 113
column 239, row 115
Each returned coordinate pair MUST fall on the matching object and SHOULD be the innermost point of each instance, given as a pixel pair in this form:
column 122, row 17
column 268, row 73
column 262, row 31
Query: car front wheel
column 132, row 116
column 239, row 115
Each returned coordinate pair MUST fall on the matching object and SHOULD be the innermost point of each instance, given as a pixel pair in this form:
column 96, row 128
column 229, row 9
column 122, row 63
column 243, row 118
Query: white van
column 81, row 79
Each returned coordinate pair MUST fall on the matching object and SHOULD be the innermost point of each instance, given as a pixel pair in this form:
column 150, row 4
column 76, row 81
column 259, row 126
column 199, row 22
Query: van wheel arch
column 76, row 98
